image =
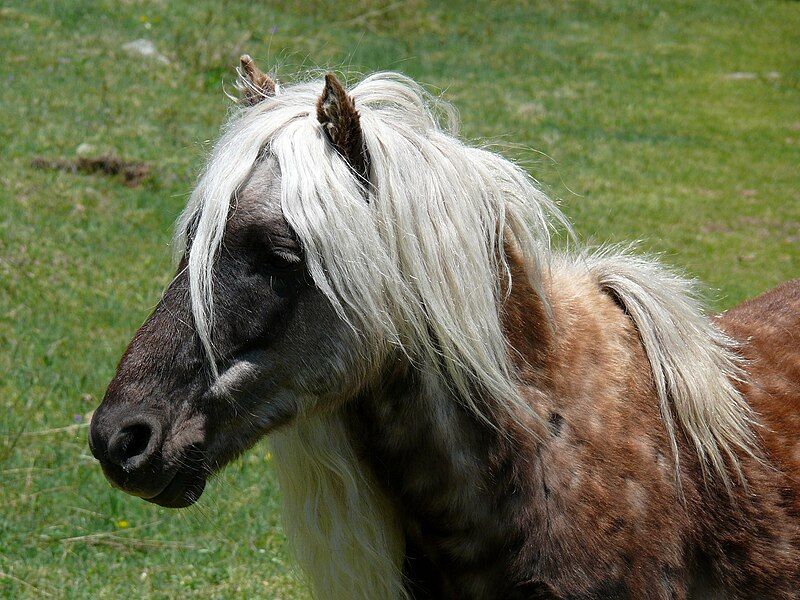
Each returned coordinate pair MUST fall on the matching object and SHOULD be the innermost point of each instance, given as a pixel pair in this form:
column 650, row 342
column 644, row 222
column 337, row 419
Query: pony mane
column 415, row 262
column 413, row 259
column 694, row 364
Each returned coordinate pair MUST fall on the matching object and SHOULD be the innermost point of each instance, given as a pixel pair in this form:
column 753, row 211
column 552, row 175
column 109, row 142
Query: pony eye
column 280, row 261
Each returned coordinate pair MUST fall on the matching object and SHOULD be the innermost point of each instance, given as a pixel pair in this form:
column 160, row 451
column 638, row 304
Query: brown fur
column 590, row 508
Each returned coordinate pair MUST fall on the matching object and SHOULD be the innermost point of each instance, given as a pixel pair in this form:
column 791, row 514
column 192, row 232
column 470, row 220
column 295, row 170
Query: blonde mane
column 411, row 263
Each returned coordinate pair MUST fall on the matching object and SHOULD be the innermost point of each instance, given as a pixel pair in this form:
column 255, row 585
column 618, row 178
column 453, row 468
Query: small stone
column 85, row 149
column 146, row 48
column 738, row 75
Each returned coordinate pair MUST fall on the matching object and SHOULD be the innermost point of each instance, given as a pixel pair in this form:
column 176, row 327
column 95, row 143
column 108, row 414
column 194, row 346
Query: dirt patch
column 765, row 228
column 760, row 227
column 133, row 173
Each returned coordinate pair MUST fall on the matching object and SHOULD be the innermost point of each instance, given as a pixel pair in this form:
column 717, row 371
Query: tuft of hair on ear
column 254, row 85
column 341, row 123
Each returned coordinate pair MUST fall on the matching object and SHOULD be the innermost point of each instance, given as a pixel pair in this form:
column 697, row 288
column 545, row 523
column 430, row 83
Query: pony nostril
column 130, row 442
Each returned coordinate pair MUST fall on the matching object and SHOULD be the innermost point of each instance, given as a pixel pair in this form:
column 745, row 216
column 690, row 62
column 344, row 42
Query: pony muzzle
column 129, row 444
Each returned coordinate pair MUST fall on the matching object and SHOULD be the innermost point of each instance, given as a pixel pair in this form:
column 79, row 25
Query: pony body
column 504, row 421
column 595, row 508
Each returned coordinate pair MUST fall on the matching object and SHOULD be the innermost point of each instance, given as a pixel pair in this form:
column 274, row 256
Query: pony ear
column 254, row 85
column 340, row 121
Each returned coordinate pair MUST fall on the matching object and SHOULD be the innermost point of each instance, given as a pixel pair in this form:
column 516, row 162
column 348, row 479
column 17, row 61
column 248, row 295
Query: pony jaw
column 184, row 489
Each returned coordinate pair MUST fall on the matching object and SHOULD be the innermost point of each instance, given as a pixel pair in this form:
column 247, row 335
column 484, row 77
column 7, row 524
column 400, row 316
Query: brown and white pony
column 455, row 410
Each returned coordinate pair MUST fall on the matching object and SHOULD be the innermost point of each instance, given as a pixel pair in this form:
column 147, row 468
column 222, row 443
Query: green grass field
column 675, row 123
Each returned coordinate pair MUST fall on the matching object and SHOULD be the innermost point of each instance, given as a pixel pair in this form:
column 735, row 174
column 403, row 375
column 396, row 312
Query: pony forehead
column 392, row 106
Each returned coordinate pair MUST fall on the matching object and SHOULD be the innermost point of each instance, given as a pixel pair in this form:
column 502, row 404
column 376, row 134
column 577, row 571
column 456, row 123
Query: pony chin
column 183, row 490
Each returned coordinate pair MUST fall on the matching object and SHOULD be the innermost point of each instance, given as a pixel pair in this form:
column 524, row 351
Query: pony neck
column 435, row 459
column 527, row 318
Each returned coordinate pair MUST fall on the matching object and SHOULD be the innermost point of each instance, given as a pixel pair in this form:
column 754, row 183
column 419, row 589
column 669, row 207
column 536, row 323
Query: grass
column 671, row 122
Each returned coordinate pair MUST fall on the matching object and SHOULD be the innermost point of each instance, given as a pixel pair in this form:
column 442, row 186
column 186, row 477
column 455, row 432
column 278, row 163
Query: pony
column 456, row 409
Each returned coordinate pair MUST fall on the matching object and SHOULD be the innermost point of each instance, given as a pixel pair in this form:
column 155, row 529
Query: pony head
column 333, row 235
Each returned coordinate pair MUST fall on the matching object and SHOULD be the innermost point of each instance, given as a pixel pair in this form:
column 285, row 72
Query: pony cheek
column 283, row 288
